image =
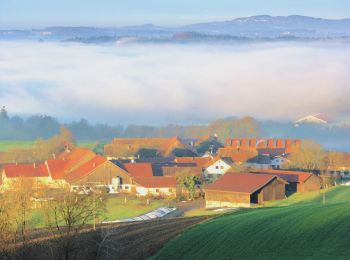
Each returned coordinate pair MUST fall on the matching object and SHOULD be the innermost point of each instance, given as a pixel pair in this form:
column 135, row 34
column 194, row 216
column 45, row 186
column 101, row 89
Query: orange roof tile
column 156, row 182
column 241, row 182
column 26, row 170
column 85, row 169
column 139, row 169
column 290, row 176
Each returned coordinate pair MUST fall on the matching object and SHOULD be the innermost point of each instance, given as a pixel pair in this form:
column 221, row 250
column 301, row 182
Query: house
column 156, row 186
column 216, row 167
column 133, row 148
column 244, row 190
column 298, row 181
column 37, row 173
column 76, row 168
column 208, row 145
column 139, row 169
column 278, row 162
column 259, row 162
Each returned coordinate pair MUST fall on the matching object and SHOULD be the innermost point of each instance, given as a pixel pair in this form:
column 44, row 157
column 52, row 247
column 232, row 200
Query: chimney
column 93, row 165
column 228, row 142
column 53, row 155
column 34, row 165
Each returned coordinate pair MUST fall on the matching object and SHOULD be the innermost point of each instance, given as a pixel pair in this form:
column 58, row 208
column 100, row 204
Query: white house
column 217, row 167
column 278, row 162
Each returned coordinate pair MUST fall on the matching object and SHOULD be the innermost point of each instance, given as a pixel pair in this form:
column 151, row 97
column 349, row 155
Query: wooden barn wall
column 275, row 190
column 103, row 175
column 311, row 184
column 227, row 196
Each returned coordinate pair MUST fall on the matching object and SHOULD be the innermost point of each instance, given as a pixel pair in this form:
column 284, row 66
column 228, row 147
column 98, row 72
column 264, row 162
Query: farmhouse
column 156, row 186
column 244, row 190
column 298, row 181
column 216, row 167
column 132, row 148
column 37, row 173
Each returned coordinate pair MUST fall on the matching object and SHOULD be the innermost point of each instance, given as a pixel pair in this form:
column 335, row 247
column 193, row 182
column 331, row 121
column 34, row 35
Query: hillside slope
column 299, row 231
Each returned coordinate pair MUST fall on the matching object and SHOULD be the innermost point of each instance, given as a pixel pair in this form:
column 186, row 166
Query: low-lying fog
column 157, row 84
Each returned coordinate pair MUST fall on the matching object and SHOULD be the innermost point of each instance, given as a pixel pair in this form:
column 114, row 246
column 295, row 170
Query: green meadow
column 116, row 208
column 300, row 227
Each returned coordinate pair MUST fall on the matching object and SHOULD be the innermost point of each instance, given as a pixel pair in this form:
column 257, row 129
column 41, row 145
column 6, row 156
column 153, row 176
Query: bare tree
column 20, row 195
column 309, row 156
column 67, row 216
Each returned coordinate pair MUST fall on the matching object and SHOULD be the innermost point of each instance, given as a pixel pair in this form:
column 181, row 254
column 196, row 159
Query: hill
column 263, row 27
column 301, row 229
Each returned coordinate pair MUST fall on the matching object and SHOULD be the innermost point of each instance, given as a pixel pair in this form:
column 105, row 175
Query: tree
column 308, row 156
column 8, row 228
column 3, row 114
column 68, row 214
column 19, row 195
column 189, row 182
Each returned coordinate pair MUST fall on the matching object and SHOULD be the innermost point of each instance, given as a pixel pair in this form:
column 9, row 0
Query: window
column 170, row 190
column 346, row 173
column 126, row 187
column 157, row 190
column 216, row 167
column 221, row 167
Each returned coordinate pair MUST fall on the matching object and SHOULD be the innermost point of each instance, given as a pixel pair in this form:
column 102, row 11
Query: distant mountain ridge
column 263, row 27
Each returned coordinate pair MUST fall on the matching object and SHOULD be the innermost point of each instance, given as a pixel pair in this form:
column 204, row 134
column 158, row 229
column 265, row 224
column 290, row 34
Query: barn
column 244, row 190
column 298, row 181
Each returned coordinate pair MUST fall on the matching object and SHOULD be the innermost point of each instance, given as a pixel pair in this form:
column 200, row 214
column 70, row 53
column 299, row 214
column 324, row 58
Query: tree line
column 44, row 127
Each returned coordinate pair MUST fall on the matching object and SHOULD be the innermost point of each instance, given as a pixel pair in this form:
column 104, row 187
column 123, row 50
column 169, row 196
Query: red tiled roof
column 290, row 176
column 139, row 169
column 76, row 156
column 85, row 169
column 56, row 168
column 241, row 182
column 156, row 182
column 26, row 170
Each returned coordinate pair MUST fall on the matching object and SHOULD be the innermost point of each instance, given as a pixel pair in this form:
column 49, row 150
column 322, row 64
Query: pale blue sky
column 40, row 13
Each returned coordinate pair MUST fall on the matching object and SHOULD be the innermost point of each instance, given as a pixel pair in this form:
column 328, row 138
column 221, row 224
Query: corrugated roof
column 241, row 182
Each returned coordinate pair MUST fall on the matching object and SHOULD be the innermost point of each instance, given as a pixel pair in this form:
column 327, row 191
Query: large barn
column 244, row 190
column 298, row 181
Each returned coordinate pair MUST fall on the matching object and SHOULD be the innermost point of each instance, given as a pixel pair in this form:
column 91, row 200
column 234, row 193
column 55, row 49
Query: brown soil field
column 138, row 240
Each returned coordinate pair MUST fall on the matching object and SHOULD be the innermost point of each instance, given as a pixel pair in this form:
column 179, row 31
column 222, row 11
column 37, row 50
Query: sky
column 41, row 13
column 185, row 84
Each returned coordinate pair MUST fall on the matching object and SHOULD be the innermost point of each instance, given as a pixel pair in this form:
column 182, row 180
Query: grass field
column 6, row 145
column 115, row 209
column 300, row 227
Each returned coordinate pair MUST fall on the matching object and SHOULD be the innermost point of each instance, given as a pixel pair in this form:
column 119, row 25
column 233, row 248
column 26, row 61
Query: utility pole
column 94, row 210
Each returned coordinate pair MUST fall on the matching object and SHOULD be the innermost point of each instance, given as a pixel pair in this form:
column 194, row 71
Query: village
column 240, row 173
